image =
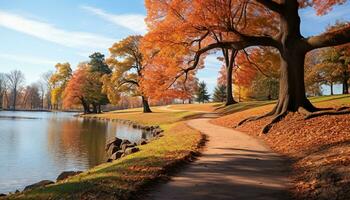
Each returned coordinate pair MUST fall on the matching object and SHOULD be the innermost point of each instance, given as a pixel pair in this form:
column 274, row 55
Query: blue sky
column 37, row 34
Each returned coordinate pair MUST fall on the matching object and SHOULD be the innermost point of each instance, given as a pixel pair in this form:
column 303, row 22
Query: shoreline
column 130, row 123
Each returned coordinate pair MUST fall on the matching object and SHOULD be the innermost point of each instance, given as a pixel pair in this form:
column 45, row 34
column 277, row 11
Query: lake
column 37, row 146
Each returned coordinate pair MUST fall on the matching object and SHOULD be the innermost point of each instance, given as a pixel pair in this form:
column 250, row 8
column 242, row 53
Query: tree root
column 340, row 111
column 278, row 118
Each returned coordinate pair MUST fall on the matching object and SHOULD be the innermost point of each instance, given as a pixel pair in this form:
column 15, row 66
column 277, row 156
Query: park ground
column 318, row 150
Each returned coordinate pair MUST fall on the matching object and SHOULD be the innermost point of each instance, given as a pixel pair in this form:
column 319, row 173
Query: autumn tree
column 219, row 94
column 202, row 95
column 266, row 61
column 77, row 88
column 127, row 63
column 229, row 55
column 335, row 63
column 247, row 24
column 15, row 80
column 59, row 81
column 31, row 97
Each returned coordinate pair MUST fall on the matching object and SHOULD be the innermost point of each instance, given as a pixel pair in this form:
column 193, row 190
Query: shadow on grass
column 242, row 106
column 329, row 98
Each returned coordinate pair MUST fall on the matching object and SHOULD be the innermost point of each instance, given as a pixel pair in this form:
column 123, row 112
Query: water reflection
column 35, row 149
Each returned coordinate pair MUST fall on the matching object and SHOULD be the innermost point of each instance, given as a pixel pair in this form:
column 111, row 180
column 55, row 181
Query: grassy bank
column 131, row 174
column 319, row 148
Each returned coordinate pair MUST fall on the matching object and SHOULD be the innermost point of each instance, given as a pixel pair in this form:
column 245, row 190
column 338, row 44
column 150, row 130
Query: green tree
column 97, row 69
column 335, row 65
column 202, row 95
column 219, row 93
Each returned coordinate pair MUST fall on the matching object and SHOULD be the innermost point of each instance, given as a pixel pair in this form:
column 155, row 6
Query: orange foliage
column 74, row 91
column 195, row 28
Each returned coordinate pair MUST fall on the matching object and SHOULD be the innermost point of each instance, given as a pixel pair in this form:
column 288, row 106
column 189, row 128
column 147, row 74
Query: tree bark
column 146, row 108
column 292, row 94
column 229, row 95
column 332, row 91
column 85, row 105
column 94, row 108
column 229, row 56
column 14, row 98
column 346, row 82
column 99, row 109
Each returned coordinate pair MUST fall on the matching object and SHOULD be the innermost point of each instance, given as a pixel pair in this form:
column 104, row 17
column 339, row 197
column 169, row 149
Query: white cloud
column 49, row 32
column 134, row 22
column 28, row 59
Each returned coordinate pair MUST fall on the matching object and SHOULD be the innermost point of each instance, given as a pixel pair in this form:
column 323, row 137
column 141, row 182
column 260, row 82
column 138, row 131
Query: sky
column 37, row 34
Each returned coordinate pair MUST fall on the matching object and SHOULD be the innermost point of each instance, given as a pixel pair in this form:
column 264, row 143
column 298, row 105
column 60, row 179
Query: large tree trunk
column 146, row 108
column 229, row 57
column 229, row 95
column 292, row 86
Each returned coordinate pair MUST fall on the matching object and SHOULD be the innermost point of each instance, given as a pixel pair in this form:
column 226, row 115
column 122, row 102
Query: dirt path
column 233, row 166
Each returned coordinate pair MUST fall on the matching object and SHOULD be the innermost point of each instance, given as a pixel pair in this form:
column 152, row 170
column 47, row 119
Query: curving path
column 233, row 165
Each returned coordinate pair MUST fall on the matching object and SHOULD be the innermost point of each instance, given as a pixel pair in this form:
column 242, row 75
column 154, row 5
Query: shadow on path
column 233, row 165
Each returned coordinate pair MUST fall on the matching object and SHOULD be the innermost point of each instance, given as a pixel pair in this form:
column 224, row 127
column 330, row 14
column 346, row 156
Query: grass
column 129, row 175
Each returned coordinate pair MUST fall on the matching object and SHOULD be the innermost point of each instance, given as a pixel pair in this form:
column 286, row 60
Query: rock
column 134, row 125
column 114, row 141
column 67, row 174
column 117, row 155
column 143, row 142
column 38, row 184
column 125, row 146
column 131, row 150
column 112, row 149
column 124, row 142
column 148, row 128
column 158, row 131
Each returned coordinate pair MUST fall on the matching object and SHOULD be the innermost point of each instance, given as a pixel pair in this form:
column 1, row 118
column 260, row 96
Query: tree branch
column 238, row 45
column 274, row 6
column 333, row 38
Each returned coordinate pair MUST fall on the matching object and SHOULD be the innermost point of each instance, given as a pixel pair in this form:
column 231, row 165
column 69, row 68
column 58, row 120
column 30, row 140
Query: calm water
column 40, row 145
